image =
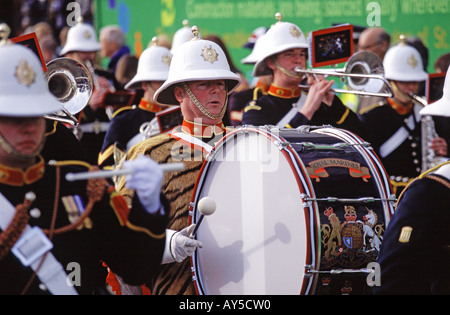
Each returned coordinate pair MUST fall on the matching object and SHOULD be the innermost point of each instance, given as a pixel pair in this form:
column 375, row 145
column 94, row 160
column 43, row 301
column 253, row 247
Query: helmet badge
column 412, row 62
column 25, row 73
column 87, row 35
column 295, row 32
column 209, row 54
column 166, row 59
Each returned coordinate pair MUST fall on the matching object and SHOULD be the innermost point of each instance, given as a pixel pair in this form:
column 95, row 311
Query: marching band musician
column 50, row 226
column 82, row 45
column 153, row 68
column 414, row 255
column 397, row 122
column 286, row 105
column 200, row 81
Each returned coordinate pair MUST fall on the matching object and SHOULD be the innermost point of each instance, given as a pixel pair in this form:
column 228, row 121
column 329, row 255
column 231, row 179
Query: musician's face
column 290, row 59
column 210, row 93
column 406, row 88
column 25, row 135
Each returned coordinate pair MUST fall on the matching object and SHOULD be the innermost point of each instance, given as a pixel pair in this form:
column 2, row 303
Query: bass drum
column 299, row 211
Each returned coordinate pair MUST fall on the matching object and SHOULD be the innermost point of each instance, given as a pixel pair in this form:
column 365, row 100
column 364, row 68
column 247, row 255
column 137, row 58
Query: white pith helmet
column 403, row 63
column 280, row 37
column 23, row 88
column 442, row 106
column 153, row 65
column 81, row 37
column 181, row 36
column 196, row 60
column 257, row 51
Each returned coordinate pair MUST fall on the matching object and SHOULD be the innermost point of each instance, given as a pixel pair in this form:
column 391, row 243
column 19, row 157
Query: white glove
column 146, row 179
column 179, row 245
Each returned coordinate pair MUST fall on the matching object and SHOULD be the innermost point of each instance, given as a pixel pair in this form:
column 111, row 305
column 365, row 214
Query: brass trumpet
column 71, row 83
column 364, row 72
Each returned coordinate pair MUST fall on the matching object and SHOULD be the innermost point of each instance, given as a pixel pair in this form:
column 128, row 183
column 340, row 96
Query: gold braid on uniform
column 95, row 191
column 427, row 174
column 14, row 230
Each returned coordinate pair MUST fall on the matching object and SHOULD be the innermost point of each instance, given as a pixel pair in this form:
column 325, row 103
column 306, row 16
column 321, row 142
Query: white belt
column 30, row 250
column 287, row 118
column 191, row 139
column 397, row 138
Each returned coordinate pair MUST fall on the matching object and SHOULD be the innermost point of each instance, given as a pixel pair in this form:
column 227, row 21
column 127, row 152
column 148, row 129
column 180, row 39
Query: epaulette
column 370, row 107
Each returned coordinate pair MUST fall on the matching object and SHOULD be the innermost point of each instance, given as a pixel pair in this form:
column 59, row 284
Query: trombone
column 364, row 72
column 71, row 83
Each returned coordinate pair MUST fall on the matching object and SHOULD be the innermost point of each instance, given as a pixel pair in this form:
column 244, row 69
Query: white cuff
column 167, row 254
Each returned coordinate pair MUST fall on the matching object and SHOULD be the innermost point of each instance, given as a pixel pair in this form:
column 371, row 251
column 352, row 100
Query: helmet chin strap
column 286, row 71
column 199, row 105
column 8, row 148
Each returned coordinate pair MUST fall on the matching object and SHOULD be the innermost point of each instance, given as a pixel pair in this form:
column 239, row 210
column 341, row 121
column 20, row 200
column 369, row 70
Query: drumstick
column 167, row 167
column 206, row 206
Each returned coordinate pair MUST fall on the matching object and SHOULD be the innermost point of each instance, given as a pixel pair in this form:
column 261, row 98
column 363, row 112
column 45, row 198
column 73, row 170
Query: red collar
column 18, row 177
column 202, row 131
column 264, row 87
column 399, row 108
column 149, row 106
column 283, row 92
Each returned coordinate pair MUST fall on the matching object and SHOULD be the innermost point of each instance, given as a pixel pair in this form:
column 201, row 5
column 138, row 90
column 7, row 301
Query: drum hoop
column 312, row 215
column 300, row 173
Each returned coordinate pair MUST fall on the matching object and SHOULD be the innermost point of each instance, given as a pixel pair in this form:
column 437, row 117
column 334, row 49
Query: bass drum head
column 256, row 242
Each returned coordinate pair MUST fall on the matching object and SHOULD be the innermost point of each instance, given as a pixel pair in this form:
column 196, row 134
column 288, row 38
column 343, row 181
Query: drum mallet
column 206, row 206
column 167, row 167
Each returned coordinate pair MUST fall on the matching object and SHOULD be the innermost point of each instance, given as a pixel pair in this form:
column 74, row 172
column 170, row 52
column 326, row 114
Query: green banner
column 234, row 20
